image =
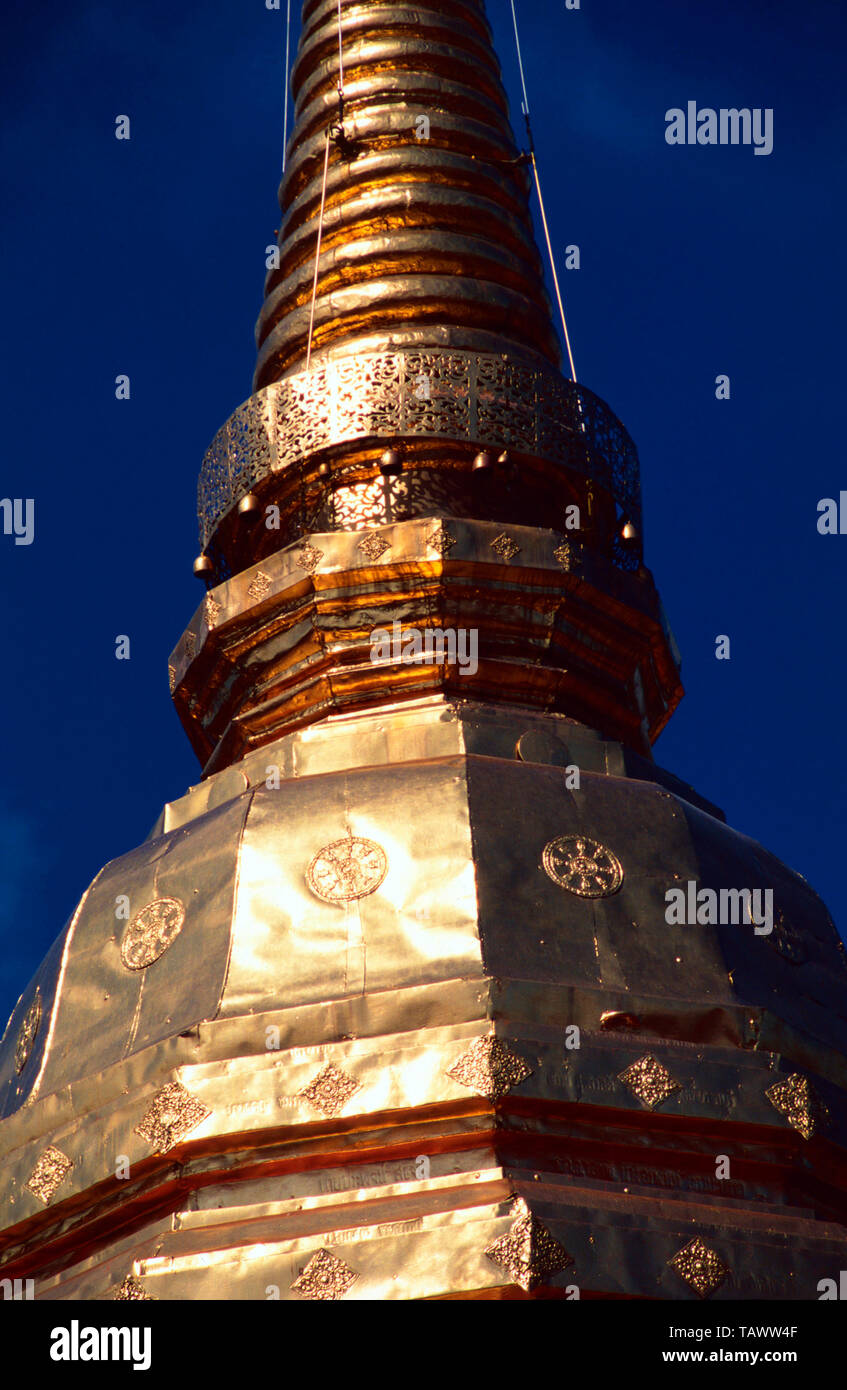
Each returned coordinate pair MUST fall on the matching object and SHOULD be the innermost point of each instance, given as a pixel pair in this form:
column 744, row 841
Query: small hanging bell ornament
column 390, row 463
column 248, row 507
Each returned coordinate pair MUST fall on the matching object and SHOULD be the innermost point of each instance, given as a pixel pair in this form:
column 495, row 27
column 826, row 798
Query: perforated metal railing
column 477, row 400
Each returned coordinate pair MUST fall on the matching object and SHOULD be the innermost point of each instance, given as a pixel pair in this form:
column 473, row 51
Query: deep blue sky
column 147, row 257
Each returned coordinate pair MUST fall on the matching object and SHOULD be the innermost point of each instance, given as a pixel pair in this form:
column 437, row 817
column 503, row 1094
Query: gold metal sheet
column 431, row 727
column 393, row 1259
column 110, row 1101
column 263, row 1092
column 623, row 1247
column 16, row 1085
column 267, row 1090
column 260, row 1092
column 291, row 947
column 308, row 637
column 425, row 730
column 208, row 795
column 98, row 1275
column 263, row 1197
column 134, row 1008
column 621, row 1243
column 616, row 942
column 320, row 1216
column 402, row 1073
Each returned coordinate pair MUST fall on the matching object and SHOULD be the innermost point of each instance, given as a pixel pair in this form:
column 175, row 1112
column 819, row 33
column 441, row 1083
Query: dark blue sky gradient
column 147, row 257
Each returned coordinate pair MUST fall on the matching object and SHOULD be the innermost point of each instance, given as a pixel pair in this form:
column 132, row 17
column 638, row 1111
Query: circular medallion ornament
column 151, row 932
column 27, row 1033
column 347, row 869
column 786, row 939
column 582, row 866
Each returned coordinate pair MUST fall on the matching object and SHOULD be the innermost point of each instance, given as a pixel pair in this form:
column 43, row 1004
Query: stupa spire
column 426, row 235
column 408, row 407
column 433, row 987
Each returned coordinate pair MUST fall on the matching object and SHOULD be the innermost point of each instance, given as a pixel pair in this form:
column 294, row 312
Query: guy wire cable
column 550, row 249
column 318, row 251
column 323, row 189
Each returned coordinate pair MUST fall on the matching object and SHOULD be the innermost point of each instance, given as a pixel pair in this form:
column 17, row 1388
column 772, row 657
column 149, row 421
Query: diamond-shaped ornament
column 490, row 1068
column 211, row 611
column 796, row 1099
column 330, row 1090
column 700, row 1267
column 48, row 1174
column 373, row 546
column 260, row 586
column 441, row 540
column 309, row 558
column 173, row 1113
column 649, row 1081
column 325, row 1277
column 529, row 1253
column 505, row 547
column 132, row 1290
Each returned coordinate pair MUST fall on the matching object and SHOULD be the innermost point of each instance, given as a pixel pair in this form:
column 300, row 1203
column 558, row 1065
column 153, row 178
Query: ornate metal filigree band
column 470, row 398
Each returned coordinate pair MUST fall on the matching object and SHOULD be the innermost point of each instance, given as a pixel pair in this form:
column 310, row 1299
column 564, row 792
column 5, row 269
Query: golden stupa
column 389, row 1005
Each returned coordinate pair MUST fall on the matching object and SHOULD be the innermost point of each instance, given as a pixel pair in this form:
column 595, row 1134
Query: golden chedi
column 391, row 1005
